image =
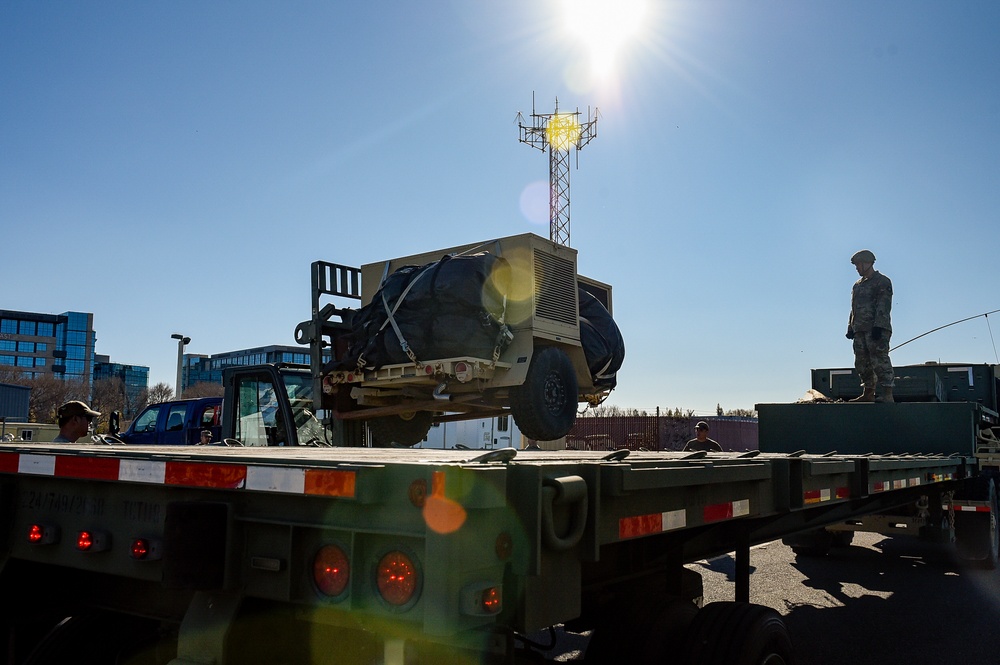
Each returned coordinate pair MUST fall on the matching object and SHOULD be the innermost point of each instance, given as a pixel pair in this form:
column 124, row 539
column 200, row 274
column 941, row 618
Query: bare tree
column 48, row 392
column 13, row 376
column 108, row 396
column 161, row 392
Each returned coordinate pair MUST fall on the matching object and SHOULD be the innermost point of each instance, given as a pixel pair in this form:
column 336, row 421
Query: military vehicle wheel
column 729, row 633
column 405, row 429
column 544, row 406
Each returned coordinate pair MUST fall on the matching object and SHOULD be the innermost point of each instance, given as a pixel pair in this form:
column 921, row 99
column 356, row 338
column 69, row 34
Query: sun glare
column 603, row 27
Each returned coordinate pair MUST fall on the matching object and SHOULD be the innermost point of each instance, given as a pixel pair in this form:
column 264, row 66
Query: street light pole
column 181, row 341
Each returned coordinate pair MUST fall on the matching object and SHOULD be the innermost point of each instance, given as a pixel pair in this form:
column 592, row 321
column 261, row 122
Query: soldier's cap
column 206, row 432
column 701, row 425
column 77, row 408
column 864, row 256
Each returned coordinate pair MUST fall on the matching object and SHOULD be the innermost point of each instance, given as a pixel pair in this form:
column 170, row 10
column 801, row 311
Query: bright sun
column 604, row 27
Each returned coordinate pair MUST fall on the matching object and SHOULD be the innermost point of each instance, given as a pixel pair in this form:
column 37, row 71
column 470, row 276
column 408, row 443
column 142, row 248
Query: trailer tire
column 729, row 633
column 405, row 429
column 544, row 406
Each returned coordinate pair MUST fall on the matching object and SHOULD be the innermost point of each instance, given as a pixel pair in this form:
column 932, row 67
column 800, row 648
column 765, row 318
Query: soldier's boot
column 867, row 396
column 886, row 395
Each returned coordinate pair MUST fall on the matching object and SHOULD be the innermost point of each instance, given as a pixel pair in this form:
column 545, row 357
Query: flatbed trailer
column 219, row 554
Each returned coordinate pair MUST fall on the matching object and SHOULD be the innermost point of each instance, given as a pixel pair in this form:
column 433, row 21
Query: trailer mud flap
column 194, row 545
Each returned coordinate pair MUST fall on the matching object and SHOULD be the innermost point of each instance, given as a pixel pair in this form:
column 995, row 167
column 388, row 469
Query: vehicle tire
column 405, row 429
column 544, row 406
column 729, row 633
column 977, row 534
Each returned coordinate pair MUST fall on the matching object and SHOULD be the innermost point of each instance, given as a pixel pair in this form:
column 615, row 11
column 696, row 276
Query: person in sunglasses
column 75, row 420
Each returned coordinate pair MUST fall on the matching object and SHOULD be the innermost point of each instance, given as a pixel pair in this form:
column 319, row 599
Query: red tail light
column 397, row 578
column 93, row 541
column 84, row 541
column 491, row 600
column 144, row 549
column 331, row 570
column 43, row 534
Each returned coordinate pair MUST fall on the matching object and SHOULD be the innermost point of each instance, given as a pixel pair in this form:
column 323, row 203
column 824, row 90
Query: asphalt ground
column 880, row 601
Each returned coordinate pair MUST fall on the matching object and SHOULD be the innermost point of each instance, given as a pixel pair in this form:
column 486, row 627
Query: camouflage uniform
column 871, row 302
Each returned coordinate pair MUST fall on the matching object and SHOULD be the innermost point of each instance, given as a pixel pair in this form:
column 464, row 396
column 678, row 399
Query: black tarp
column 451, row 307
column 602, row 341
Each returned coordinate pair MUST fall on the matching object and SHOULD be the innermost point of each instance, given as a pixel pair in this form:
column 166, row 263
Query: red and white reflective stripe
column 644, row 525
column 725, row 511
column 818, row 496
column 289, row 480
column 968, row 509
column 886, row 485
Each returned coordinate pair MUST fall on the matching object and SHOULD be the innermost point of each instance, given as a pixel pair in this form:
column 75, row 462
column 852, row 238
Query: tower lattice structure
column 559, row 132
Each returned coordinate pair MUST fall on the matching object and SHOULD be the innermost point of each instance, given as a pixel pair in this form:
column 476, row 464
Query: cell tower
column 560, row 133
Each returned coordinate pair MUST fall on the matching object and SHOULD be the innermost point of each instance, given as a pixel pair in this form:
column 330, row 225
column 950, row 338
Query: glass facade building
column 208, row 369
column 134, row 377
column 58, row 344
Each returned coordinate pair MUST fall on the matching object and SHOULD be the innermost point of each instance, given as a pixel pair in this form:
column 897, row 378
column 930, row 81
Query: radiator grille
column 555, row 284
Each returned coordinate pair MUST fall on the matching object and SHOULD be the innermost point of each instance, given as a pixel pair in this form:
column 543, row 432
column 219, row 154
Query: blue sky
column 176, row 167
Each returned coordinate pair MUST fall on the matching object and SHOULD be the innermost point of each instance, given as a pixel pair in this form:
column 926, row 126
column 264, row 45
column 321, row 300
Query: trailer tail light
column 43, row 534
column 331, row 570
column 490, row 600
column 93, row 541
column 145, row 549
column 397, row 579
column 482, row 599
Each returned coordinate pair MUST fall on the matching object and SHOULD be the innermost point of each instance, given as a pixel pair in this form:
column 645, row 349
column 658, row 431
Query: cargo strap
column 390, row 319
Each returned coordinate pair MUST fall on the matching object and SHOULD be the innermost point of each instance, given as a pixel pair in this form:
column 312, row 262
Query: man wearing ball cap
column 75, row 420
column 869, row 327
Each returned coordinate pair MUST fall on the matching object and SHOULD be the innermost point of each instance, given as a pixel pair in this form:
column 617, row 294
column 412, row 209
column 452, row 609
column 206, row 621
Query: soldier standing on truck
column 74, row 421
column 869, row 327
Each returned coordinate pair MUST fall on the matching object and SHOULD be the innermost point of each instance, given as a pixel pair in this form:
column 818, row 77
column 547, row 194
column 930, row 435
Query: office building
column 197, row 368
column 135, row 379
column 58, row 344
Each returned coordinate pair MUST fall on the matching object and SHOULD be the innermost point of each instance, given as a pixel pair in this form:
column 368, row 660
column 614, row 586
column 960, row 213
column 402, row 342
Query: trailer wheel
column 405, row 429
column 729, row 633
column 544, row 406
column 977, row 535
